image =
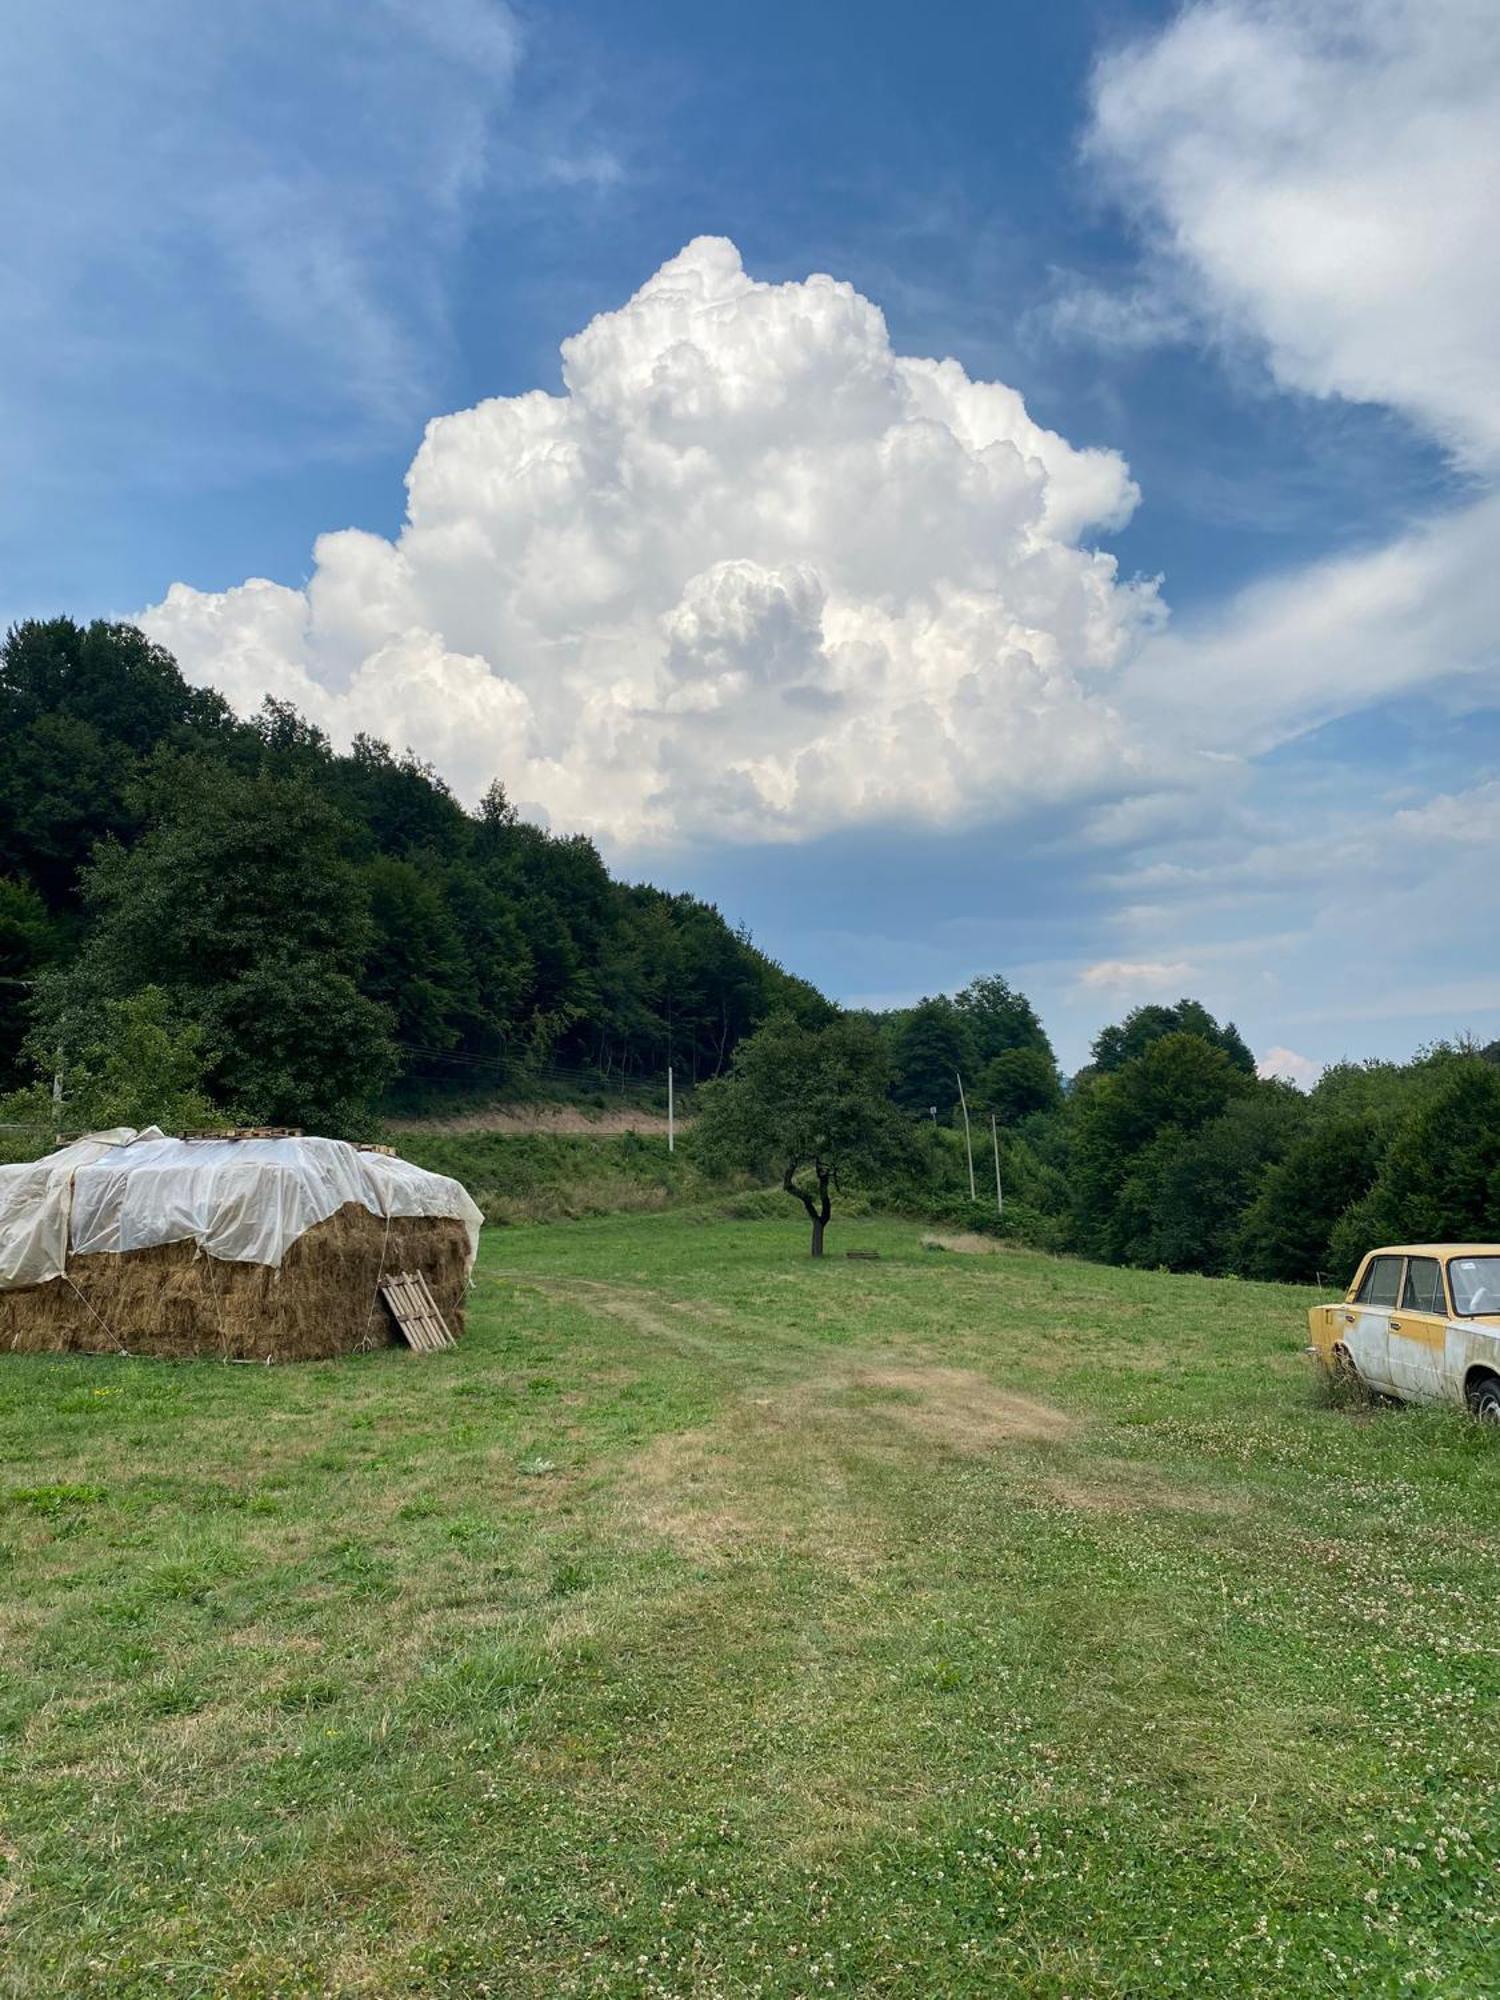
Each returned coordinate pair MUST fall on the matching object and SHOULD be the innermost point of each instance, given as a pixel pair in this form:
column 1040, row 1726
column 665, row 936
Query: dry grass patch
column 775, row 1470
column 965, row 1242
column 621, row 1303
column 678, row 1492
column 10, row 1876
column 958, row 1408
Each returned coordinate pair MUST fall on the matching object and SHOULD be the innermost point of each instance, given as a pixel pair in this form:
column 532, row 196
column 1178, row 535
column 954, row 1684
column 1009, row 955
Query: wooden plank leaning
column 416, row 1313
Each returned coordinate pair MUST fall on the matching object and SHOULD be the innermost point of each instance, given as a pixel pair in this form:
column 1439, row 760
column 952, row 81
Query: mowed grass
column 713, row 1622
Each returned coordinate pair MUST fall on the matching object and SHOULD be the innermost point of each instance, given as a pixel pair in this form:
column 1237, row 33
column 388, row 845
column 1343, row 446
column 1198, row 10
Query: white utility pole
column 968, row 1142
column 995, row 1142
column 671, row 1115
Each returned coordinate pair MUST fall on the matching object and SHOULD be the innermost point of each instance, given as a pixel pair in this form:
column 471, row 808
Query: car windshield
column 1476, row 1284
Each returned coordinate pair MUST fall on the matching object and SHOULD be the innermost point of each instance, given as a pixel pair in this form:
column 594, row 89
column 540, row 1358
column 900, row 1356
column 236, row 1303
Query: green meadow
column 712, row 1622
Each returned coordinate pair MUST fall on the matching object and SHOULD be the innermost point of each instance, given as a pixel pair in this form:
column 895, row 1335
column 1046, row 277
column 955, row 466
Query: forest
column 1167, row 1151
column 203, row 917
column 313, row 929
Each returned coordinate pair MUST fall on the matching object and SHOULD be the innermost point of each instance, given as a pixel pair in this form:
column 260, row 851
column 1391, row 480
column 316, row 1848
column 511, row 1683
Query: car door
column 1418, row 1331
column 1366, row 1321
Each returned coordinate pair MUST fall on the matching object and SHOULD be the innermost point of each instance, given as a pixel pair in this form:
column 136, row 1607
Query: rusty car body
column 1421, row 1322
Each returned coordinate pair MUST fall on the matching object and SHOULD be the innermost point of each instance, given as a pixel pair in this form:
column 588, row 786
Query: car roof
column 1437, row 1250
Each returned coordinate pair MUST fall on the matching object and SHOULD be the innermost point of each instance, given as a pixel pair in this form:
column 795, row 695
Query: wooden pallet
column 415, row 1311
column 246, row 1132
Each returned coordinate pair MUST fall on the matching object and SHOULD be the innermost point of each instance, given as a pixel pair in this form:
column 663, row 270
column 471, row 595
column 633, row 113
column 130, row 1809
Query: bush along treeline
column 206, row 916
column 1166, row 1151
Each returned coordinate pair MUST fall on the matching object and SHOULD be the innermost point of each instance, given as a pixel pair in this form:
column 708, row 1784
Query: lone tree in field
column 808, row 1103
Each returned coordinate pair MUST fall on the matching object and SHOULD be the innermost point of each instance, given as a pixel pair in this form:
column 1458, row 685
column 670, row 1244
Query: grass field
column 716, row 1623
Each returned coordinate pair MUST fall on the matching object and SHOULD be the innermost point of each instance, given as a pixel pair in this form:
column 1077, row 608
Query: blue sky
column 1198, row 696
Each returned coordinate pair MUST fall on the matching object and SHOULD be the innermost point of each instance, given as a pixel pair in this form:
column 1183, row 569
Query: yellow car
column 1421, row 1321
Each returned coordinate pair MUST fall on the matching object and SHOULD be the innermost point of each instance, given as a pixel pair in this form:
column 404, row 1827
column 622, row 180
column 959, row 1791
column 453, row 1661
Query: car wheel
column 1484, row 1398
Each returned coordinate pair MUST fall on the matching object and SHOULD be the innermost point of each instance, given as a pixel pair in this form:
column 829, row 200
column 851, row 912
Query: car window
column 1423, row 1290
column 1476, row 1284
column 1382, row 1281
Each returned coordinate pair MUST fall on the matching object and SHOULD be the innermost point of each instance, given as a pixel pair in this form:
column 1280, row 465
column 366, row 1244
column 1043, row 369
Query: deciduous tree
column 810, row 1104
column 1128, row 1123
column 932, row 1047
column 1287, row 1229
column 1115, row 1046
column 1017, row 1082
column 1000, row 1019
column 133, row 1063
column 240, row 903
column 1440, row 1179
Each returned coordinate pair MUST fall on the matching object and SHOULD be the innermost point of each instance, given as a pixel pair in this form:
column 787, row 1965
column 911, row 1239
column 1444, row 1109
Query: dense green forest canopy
column 324, row 923
column 205, row 917
column 1167, row 1150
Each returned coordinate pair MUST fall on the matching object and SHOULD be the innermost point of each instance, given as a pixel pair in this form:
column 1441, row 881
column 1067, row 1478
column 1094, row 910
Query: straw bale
column 175, row 1300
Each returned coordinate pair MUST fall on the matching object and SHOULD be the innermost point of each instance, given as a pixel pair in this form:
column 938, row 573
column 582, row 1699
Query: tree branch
column 791, row 1187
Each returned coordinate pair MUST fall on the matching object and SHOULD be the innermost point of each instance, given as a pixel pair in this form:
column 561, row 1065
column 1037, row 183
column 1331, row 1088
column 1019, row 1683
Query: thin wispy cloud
column 1325, row 176
column 1313, row 186
column 1135, row 977
column 295, row 180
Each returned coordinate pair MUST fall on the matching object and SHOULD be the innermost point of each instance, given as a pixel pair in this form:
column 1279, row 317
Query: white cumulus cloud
column 751, row 574
column 1289, row 1067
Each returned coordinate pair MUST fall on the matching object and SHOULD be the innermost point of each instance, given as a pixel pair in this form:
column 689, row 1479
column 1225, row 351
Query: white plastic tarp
column 245, row 1200
column 35, row 1200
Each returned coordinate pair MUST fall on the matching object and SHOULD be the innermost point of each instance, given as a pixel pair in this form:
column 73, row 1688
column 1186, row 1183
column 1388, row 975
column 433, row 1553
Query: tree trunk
column 818, row 1211
column 821, row 1213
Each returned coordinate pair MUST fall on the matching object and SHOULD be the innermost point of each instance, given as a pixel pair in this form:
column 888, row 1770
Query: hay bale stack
column 174, row 1300
column 270, row 1249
